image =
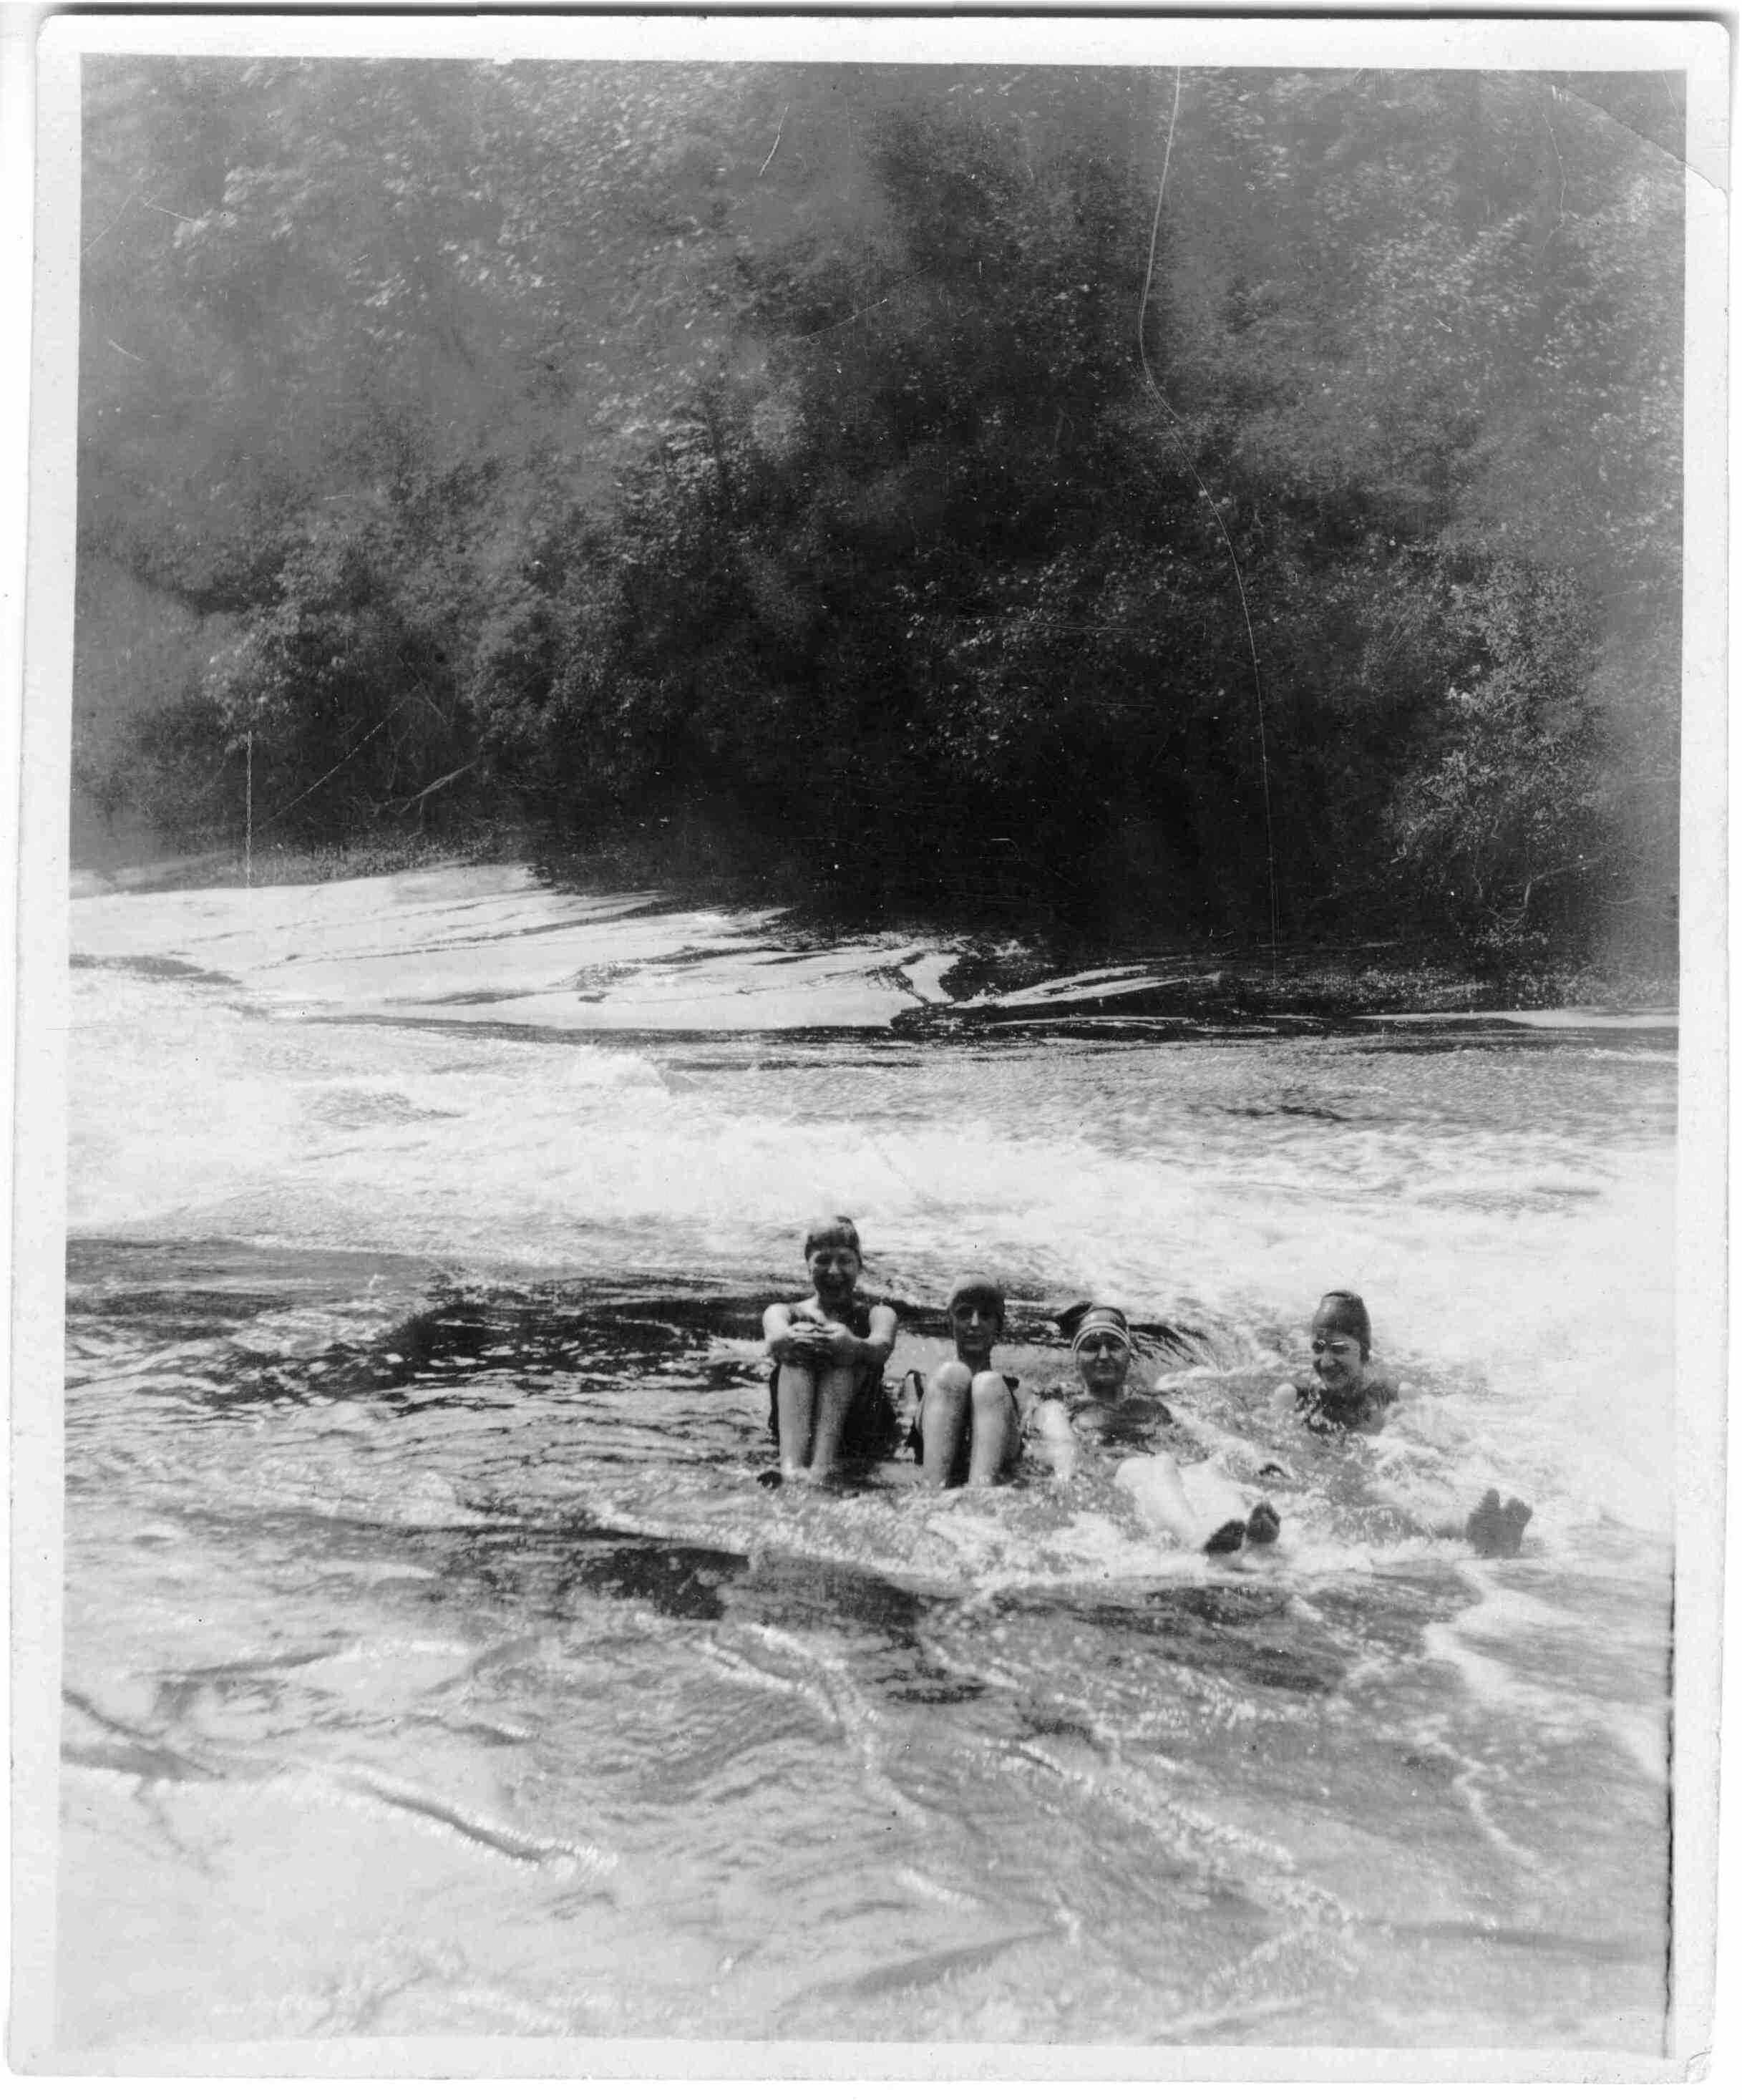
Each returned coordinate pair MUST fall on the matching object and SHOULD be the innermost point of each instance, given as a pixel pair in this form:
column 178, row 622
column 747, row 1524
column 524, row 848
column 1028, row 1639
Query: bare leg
column 944, row 1421
column 1223, row 1502
column 995, row 1436
column 836, row 1388
column 1156, row 1485
column 1210, row 1492
column 1494, row 1529
column 796, row 1414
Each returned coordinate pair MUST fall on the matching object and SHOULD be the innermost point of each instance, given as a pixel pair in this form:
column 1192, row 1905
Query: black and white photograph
column 867, row 1187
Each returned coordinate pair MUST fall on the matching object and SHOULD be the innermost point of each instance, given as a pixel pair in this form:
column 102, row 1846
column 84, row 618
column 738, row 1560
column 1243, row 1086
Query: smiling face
column 1103, row 1361
column 975, row 1325
column 1337, row 1358
column 834, row 1272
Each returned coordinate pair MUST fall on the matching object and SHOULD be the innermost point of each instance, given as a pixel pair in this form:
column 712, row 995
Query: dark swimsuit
column 1126, row 1428
column 1142, row 1425
column 871, row 1431
column 1320, row 1410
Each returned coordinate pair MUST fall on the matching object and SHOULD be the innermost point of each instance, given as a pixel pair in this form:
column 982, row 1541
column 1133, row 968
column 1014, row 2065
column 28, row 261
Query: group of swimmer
column 829, row 1408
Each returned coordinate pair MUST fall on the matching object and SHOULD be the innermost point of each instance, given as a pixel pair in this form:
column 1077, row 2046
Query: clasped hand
column 816, row 1341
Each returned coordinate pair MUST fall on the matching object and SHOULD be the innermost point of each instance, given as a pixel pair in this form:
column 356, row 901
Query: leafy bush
column 341, row 689
column 172, row 765
column 1501, row 827
column 759, row 466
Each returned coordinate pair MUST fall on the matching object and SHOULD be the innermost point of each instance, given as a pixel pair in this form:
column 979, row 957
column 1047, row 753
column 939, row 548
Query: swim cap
column 1342, row 1313
column 837, row 1230
column 1081, row 1322
column 976, row 1284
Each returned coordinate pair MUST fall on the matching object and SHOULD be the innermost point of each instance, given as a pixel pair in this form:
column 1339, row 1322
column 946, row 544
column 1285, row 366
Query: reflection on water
column 437, row 1663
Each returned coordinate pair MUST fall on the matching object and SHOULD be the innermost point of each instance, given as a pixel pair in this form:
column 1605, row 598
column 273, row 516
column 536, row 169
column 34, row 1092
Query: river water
column 435, row 1662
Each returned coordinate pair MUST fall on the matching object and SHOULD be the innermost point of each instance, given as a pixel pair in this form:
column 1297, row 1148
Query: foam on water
column 492, row 1619
column 1497, row 1261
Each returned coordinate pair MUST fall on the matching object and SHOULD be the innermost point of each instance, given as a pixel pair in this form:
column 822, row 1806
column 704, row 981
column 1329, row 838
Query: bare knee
column 945, row 1404
column 952, row 1381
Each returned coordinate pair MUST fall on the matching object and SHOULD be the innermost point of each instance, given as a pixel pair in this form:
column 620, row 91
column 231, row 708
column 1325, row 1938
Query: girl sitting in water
column 1199, row 1505
column 1347, row 1391
column 826, row 1395
column 966, row 1431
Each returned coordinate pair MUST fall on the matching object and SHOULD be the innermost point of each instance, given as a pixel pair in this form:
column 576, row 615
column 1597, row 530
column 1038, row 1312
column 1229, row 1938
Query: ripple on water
column 610, row 1662
column 458, row 1592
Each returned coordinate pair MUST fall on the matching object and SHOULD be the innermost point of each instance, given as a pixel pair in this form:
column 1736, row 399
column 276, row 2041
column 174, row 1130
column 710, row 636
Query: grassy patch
column 271, row 866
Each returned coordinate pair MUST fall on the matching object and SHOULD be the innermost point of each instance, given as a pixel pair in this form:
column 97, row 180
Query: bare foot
column 1263, row 1524
column 1497, row 1530
column 1227, row 1538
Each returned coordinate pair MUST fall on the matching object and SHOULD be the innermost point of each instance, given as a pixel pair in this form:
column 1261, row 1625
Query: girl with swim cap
column 826, row 1395
column 966, row 1432
column 1200, row 1506
column 1345, row 1391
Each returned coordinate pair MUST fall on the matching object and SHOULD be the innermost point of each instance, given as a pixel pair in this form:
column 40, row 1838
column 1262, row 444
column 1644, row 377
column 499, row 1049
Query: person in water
column 826, row 1401
column 1199, row 1506
column 1346, row 1391
column 966, row 1431
column 1345, row 1388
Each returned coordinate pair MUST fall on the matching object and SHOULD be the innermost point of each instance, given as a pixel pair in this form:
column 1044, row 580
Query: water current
column 437, row 1663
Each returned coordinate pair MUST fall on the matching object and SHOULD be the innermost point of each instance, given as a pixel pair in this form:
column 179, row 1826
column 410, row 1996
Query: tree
column 668, row 425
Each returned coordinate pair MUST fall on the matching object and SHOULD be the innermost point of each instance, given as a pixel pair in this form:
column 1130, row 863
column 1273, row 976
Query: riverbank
column 1319, row 981
column 1195, row 979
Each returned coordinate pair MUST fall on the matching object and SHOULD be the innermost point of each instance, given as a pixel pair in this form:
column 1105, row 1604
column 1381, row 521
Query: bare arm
column 875, row 1347
column 1393, row 1398
column 845, row 1346
column 1051, row 1425
column 813, row 1337
column 793, row 1336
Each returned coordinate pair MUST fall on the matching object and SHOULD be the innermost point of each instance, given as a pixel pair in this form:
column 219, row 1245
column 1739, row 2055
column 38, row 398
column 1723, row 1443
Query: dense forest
column 1237, row 503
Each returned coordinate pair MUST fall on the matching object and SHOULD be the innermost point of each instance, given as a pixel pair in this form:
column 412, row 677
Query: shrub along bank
column 916, row 520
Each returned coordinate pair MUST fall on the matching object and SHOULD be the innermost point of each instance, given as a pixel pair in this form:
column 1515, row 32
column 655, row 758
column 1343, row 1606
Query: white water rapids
column 473, row 1685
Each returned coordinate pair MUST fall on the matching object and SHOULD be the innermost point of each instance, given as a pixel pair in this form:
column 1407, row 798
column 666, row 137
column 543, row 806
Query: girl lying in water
column 1198, row 1504
column 1346, row 1391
